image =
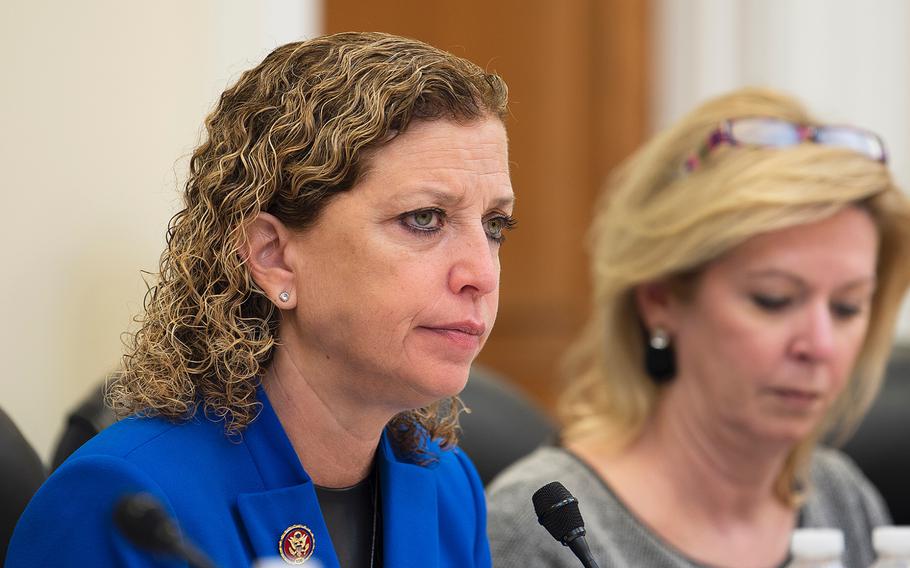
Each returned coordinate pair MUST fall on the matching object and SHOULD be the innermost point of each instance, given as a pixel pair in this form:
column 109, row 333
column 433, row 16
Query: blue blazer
column 235, row 498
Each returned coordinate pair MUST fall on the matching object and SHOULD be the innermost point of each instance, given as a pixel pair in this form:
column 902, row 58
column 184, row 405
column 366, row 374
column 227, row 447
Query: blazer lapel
column 409, row 498
column 273, row 519
column 288, row 497
column 409, row 511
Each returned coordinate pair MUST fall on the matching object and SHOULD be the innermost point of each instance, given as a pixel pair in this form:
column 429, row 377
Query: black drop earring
column 660, row 359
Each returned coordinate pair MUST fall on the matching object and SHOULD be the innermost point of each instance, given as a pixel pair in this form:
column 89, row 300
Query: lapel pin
column 297, row 544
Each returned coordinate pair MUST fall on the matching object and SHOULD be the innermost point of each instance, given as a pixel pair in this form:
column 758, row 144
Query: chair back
column 503, row 424
column 881, row 445
column 21, row 472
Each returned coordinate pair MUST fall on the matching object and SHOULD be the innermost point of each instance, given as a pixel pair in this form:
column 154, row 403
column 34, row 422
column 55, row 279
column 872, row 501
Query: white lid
column 817, row 543
column 891, row 540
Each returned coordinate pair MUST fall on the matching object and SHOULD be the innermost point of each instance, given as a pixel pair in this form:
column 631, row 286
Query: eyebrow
column 777, row 273
column 503, row 202
column 449, row 199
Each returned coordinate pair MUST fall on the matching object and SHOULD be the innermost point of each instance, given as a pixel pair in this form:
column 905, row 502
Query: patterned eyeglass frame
column 723, row 134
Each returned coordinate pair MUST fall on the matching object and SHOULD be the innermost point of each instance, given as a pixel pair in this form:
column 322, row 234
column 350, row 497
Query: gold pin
column 296, row 544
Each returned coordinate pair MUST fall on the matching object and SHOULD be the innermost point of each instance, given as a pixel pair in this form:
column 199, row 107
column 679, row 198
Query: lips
column 797, row 396
column 466, row 327
column 465, row 337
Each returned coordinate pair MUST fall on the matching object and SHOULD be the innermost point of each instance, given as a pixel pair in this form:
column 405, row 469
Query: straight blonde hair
column 655, row 223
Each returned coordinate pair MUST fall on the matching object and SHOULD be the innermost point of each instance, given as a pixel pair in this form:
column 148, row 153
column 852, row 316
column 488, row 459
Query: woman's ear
column 655, row 304
column 266, row 252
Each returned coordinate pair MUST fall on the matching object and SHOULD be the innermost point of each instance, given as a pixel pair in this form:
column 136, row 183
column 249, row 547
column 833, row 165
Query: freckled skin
column 371, row 285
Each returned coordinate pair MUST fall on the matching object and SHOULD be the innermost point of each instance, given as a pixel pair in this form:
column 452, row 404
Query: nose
column 475, row 265
column 816, row 339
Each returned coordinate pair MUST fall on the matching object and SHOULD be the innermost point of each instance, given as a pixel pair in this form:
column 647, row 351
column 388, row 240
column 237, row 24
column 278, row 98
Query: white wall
column 102, row 101
column 846, row 59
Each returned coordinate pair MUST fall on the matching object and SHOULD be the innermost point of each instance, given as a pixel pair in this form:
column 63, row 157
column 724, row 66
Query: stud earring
column 284, row 296
column 660, row 359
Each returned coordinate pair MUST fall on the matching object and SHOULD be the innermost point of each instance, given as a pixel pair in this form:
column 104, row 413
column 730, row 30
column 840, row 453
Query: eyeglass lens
column 765, row 132
column 856, row 140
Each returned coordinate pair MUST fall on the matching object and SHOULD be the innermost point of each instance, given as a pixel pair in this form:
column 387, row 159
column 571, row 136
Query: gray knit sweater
column 841, row 498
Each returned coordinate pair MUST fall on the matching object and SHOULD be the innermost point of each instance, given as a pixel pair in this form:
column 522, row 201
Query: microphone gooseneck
column 557, row 510
column 143, row 521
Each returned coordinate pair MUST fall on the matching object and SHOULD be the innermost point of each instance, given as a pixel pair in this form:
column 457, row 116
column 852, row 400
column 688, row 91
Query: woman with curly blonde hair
column 292, row 387
column 748, row 266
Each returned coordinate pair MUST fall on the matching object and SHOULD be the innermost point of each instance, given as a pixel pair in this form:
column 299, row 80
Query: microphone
column 145, row 523
column 557, row 510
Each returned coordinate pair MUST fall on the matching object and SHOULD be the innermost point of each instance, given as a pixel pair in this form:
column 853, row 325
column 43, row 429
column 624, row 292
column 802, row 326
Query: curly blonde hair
column 292, row 133
column 655, row 224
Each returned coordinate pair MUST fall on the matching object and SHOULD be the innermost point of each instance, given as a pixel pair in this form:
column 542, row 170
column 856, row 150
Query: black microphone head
column 145, row 523
column 557, row 510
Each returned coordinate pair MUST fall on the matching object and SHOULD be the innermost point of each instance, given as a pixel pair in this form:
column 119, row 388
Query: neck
column 729, row 472
column 687, row 463
column 334, row 434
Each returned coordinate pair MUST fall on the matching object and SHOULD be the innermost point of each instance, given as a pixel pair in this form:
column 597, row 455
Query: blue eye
column 494, row 227
column 423, row 220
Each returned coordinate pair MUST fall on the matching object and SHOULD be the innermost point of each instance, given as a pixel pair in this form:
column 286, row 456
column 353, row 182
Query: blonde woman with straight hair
column 292, row 390
column 748, row 265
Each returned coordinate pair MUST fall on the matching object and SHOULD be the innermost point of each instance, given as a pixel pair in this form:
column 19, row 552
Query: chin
column 789, row 432
column 436, row 382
